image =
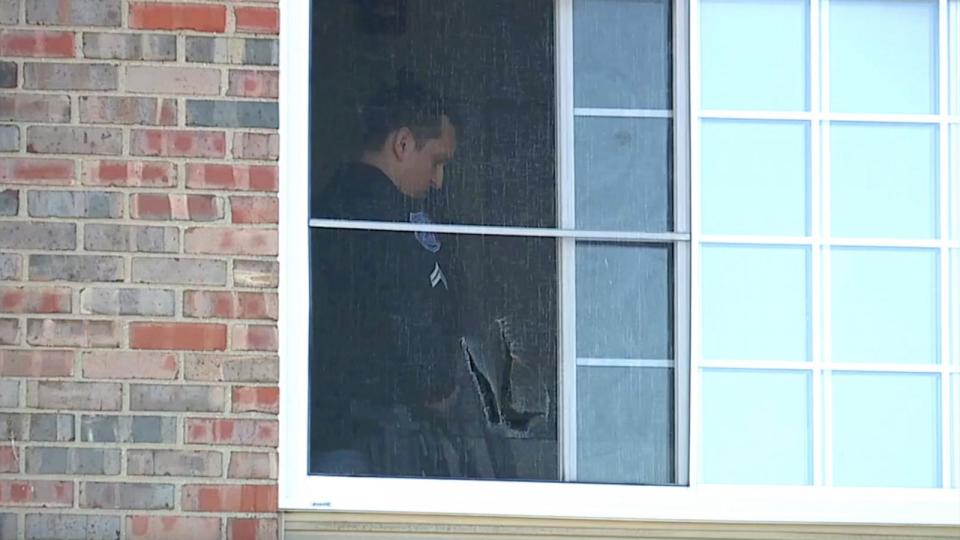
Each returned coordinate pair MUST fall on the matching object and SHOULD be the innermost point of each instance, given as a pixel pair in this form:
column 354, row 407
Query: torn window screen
column 437, row 355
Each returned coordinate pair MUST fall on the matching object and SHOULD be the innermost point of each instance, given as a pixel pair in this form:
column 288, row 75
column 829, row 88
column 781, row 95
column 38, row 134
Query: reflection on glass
column 754, row 54
column 884, row 305
column 433, row 356
column 756, row 303
column 486, row 67
column 886, row 430
column 883, row 56
column 623, row 173
column 754, row 177
column 883, row 180
column 955, row 304
column 624, row 301
column 955, row 411
column 625, row 425
column 756, row 427
column 621, row 54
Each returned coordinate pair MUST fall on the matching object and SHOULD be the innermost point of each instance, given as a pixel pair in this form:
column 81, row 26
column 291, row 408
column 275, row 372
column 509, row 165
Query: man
column 387, row 337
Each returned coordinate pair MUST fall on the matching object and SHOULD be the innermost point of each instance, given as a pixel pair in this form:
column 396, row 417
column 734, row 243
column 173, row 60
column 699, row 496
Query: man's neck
column 377, row 161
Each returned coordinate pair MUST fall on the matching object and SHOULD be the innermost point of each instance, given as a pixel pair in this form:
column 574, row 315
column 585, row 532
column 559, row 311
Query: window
column 709, row 248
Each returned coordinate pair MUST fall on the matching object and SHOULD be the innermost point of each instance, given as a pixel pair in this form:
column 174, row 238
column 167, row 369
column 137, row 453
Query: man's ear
column 403, row 142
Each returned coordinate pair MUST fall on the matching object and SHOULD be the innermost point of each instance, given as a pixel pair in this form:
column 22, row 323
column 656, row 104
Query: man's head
column 408, row 133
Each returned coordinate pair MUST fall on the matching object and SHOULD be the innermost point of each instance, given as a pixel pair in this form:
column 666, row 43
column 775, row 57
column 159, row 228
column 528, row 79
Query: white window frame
column 694, row 502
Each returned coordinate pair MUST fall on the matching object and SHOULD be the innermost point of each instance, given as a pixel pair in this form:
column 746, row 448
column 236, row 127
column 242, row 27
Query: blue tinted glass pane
column 754, row 54
column 953, row 191
column 621, row 53
column 756, row 427
column 625, row 425
column 622, row 172
column 885, row 305
column 955, row 305
column 624, row 301
column 954, row 59
column 955, row 423
column 754, row 177
column 884, row 180
column 756, row 303
column 883, row 56
column 886, row 430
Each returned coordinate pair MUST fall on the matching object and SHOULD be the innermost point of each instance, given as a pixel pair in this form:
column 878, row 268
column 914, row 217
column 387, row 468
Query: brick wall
column 138, row 307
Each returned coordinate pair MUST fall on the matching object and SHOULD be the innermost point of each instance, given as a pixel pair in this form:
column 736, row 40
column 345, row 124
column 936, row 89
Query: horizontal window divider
column 880, row 118
column 625, row 362
column 789, row 365
column 487, row 230
column 622, row 113
column 828, row 242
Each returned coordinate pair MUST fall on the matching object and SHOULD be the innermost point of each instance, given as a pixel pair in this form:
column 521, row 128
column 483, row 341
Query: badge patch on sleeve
column 437, row 277
column 428, row 240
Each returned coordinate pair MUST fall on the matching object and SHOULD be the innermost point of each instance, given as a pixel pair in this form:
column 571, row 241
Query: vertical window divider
column 943, row 91
column 696, row 331
column 816, row 307
column 567, row 376
column 681, row 205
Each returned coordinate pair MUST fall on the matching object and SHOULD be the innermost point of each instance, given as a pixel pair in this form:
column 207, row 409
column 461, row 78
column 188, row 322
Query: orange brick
column 36, row 493
column 233, row 177
column 255, row 210
column 251, row 337
column 252, row 529
column 35, row 299
column 170, row 527
column 36, row 171
column 256, row 399
column 130, row 365
column 170, row 16
column 230, row 305
column 129, row 173
column 236, row 432
column 36, row 43
column 229, row 498
column 178, row 336
column 231, row 241
column 257, row 20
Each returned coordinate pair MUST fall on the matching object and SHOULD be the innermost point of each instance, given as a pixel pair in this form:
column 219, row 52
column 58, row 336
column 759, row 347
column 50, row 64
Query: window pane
column 624, row 301
column 487, row 66
column 754, row 177
column 884, row 180
column 953, row 191
column 621, row 54
column 883, row 56
column 885, row 305
column 754, row 54
column 955, row 411
column 954, row 58
column 623, row 173
column 756, row 427
column 886, row 430
column 433, row 355
column 955, row 304
column 625, row 425
column 756, row 303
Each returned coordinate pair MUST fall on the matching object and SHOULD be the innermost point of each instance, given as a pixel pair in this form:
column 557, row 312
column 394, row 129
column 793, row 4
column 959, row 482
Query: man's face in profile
column 422, row 168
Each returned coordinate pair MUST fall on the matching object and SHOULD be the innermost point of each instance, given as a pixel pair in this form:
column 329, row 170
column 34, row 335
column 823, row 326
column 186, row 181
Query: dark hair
column 402, row 105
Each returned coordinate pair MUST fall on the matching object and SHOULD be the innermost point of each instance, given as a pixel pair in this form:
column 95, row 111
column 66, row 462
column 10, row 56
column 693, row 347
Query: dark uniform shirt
column 386, row 344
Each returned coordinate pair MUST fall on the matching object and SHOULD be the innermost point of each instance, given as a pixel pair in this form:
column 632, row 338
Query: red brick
column 170, row 16
column 35, row 299
column 170, row 527
column 73, row 333
column 257, row 465
column 129, row 173
column 250, row 337
column 230, row 305
column 255, row 210
column 254, row 83
column 178, row 336
column 158, row 206
column 58, row 172
column 36, row 493
column 130, row 365
column 232, row 177
column 252, row 529
column 235, row 432
column 9, row 459
column 36, row 363
column 257, row 20
column 36, row 43
column 231, row 241
column 264, row 146
column 229, row 498
column 178, row 143
column 256, row 399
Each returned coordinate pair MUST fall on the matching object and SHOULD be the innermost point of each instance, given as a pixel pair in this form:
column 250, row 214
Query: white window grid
column 300, row 491
column 819, row 241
